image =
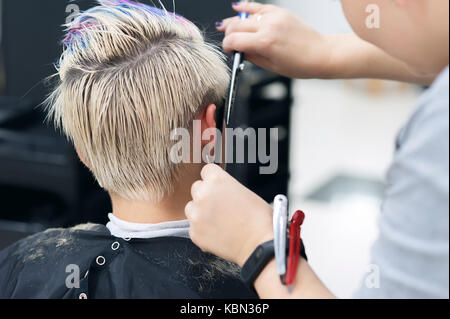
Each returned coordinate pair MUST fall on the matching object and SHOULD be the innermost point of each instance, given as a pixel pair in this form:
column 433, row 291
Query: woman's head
column 130, row 74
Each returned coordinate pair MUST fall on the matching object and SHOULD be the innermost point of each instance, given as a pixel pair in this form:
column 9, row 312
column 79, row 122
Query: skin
column 412, row 45
column 171, row 208
column 217, row 223
column 415, row 32
column 383, row 53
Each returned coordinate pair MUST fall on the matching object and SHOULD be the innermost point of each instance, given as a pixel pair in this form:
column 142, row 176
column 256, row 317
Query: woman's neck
column 171, row 208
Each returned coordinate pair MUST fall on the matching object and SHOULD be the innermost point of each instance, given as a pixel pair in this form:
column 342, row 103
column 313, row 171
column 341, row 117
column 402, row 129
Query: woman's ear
column 208, row 119
column 210, row 116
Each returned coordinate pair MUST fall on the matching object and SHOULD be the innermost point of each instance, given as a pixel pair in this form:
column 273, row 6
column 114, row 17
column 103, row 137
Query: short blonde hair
column 129, row 75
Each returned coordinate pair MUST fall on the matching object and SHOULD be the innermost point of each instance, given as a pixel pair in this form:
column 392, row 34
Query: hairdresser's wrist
column 257, row 233
column 349, row 57
column 325, row 58
column 336, row 64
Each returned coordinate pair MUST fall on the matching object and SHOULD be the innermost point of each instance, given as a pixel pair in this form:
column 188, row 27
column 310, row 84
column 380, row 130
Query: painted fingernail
column 236, row 4
column 219, row 23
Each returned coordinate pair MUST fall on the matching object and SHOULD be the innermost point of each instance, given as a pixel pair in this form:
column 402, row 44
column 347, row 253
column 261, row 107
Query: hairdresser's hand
column 226, row 218
column 275, row 39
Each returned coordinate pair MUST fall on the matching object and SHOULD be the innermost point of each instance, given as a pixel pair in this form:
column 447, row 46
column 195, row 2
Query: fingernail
column 219, row 23
column 236, row 4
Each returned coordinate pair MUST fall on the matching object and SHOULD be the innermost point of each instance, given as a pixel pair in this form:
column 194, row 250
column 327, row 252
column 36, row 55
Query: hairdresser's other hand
column 275, row 39
column 226, row 218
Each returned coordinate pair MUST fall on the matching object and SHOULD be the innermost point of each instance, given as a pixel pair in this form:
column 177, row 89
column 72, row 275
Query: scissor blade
column 237, row 62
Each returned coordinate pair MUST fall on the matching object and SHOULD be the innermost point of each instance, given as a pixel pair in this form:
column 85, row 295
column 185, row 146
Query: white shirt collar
column 122, row 229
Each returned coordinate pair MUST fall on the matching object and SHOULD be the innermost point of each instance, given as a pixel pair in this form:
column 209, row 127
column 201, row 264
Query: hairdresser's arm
column 277, row 40
column 230, row 221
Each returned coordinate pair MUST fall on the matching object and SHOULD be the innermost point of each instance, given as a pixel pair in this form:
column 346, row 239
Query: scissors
column 237, row 67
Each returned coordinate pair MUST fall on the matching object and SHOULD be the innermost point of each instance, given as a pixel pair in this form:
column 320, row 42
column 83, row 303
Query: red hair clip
column 294, row 246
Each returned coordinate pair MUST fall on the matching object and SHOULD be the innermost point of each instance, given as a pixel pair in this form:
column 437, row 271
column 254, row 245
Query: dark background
column 42, row 183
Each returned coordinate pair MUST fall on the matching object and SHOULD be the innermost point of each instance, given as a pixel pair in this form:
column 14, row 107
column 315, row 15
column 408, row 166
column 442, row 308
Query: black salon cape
column 42, row 265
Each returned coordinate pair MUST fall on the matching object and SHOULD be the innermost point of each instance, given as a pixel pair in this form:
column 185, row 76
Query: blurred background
column 335, row 144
